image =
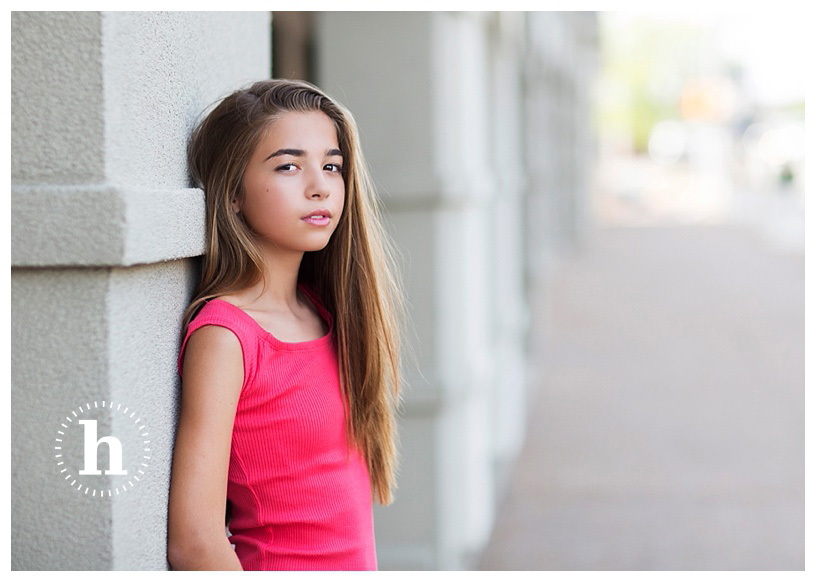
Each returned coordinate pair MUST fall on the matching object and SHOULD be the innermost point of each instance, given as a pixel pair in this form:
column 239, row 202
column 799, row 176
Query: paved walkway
column 667, row 432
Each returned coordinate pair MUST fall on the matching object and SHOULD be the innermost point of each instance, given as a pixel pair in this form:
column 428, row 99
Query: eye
column 285, row 167
column 334, row 168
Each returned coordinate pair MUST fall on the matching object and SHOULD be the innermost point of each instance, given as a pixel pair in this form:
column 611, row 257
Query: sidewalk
column 667, row 432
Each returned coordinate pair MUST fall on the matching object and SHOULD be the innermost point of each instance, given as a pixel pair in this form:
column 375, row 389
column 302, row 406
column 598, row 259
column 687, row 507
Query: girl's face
column 293, row 185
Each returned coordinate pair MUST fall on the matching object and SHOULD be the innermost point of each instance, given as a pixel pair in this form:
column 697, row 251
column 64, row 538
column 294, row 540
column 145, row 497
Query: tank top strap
column 221, row 313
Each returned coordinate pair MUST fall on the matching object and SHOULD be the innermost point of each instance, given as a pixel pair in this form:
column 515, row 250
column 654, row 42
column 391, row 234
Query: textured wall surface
column 103, row 222
column 59, row 360
column 98, row 156
column 143, row 311
column 56, row 97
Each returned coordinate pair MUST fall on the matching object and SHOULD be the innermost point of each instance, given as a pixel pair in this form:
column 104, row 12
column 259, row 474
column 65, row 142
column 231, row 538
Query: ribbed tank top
column 301, row 499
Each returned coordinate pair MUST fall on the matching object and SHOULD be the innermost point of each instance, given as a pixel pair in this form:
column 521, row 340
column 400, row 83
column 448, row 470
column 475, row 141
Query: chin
column 318, row 246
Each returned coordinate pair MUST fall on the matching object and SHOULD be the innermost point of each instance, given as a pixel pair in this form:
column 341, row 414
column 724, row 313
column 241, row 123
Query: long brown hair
column 353, row 275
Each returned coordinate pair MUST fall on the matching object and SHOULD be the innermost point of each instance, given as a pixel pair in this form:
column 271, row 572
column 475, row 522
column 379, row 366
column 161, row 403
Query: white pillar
column 560, row 152
column 510, row 313
column 103, row 221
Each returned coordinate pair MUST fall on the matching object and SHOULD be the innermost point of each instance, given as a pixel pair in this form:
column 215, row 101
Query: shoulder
column 212, row 346
column 217, row 341
column 214, row 337
column 213, row 361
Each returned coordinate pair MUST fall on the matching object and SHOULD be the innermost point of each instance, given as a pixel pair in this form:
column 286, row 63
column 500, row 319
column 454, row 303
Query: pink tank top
column 301, row 499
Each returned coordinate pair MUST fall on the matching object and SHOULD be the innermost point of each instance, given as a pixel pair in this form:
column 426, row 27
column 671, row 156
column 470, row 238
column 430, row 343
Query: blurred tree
column 645, row 62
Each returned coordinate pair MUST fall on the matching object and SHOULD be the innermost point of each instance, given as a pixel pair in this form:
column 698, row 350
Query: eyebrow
column 300, row 153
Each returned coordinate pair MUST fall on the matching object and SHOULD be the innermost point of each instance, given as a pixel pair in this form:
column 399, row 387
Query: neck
column 278, row 288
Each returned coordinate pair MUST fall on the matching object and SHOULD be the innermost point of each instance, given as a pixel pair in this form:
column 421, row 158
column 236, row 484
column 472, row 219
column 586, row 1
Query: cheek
column 342, row 195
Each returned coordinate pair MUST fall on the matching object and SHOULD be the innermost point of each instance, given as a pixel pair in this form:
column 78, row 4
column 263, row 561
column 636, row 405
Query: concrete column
column 559, row 76
column 509, row 311
column 103, row 223
column 424, row 89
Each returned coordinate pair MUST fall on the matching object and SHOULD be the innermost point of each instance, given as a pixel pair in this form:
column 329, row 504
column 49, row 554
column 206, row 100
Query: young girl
column 289, row 363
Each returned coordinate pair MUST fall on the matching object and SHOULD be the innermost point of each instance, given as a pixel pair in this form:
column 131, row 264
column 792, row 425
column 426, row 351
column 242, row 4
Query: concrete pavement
column 667, row 430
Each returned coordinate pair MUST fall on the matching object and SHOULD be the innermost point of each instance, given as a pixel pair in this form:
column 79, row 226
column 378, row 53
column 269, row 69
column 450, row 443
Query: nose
column 317, row 188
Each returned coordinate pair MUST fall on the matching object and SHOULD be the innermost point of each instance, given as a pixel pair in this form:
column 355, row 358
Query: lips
column 318, row 218
column 319, row 214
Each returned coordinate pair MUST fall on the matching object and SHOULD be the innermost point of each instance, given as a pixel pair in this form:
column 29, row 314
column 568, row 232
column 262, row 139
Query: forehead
column 305, row 130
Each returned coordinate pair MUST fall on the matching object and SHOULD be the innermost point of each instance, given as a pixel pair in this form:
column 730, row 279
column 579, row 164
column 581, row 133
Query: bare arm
column 212, row 376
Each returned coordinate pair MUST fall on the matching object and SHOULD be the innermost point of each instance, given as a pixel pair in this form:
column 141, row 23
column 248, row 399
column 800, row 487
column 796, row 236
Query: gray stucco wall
column 103, row 223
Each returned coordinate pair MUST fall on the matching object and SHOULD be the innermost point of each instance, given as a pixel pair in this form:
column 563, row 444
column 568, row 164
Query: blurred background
column 600, row 226
column 701, row 120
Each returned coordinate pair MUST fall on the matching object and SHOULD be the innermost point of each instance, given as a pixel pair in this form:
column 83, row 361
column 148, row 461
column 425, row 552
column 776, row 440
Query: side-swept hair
column 353, row 275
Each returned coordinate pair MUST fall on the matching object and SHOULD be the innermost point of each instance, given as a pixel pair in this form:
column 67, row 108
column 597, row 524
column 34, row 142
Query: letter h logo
column 92, row 446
